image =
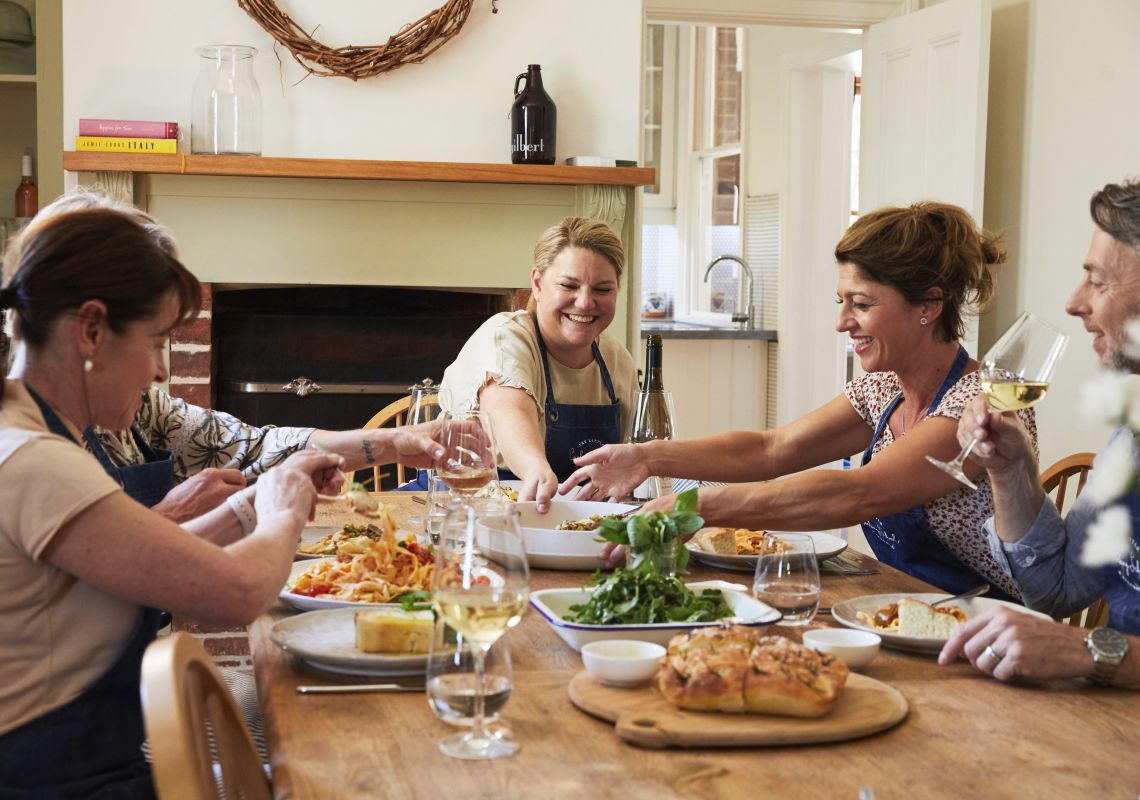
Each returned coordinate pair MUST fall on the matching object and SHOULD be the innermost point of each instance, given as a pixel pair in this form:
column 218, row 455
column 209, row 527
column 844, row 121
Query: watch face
column 1112, row 644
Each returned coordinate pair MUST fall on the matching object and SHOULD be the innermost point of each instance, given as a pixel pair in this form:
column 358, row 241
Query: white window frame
column 660, row 207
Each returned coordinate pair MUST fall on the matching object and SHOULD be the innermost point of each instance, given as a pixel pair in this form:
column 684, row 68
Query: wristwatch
column 1108, row 648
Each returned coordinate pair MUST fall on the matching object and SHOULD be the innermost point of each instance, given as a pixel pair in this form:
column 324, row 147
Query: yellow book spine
column 124, row 144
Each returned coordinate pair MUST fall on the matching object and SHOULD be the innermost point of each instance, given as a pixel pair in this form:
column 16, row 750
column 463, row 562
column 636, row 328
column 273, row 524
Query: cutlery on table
column 362, row 687
column 977, row 590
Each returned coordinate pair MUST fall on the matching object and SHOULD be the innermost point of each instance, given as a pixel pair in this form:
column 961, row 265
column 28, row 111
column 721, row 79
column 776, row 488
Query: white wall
column 1064, row 119
column 135, row 59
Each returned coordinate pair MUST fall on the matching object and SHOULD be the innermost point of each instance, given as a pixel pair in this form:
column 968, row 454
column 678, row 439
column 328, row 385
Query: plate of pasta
column 738, row 548
column 385, row 569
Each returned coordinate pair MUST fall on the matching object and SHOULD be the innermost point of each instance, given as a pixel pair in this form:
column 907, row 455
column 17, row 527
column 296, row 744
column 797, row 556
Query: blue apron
column 147, row 483
column 1122, row 580
column 904, row 539
column 89, row 747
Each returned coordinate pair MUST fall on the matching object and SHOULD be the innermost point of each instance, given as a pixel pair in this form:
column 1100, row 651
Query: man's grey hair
column 1116, row 210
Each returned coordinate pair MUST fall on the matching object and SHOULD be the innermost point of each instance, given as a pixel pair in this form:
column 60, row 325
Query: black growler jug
column 533, row 120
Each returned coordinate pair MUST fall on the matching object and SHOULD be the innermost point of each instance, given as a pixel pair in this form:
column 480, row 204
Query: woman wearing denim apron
column 1062, row 565
column 555, row 385
column 905, row 278
column 84, row 566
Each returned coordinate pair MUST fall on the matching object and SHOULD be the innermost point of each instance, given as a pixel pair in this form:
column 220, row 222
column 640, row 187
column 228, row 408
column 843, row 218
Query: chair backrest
column 199, row 743
column 1056, row 478
column 395, row 414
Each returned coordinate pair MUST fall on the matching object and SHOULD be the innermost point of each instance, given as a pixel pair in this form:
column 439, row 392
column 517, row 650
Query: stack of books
column 127, row 136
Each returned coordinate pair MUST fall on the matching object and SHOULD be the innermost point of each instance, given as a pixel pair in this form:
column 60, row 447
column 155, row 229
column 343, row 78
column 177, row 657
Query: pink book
column 128, row 127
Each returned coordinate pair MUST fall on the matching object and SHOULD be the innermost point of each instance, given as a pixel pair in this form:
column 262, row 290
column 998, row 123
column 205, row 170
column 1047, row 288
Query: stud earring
column 923, row 321
column 87, row 365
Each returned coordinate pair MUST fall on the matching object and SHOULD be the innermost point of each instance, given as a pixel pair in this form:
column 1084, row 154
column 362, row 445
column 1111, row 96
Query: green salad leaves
column 648, row 534
column 629, row 597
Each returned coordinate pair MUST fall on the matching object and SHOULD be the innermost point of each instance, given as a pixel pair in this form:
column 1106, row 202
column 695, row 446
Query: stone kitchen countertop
column 671, row 329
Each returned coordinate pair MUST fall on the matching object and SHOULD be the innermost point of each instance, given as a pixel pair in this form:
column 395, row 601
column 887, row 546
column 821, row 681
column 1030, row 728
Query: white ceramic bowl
column 856, row 648
column 548, row 548
column 622, row 662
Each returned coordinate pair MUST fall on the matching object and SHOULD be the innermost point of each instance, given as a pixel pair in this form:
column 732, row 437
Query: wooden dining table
column 966, row 735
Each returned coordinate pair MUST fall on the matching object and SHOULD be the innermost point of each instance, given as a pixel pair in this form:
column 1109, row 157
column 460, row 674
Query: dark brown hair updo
column 922, row 247
column 92, row 254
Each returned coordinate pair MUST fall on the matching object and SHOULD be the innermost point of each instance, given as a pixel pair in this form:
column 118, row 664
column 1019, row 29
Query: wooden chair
column 1056, row 478
column 395, row 414
column 200, row 745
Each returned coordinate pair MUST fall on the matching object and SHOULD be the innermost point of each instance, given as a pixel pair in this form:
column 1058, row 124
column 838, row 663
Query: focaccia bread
column 718, row 540
column 922, row 621
column 738, row 669
column 739, row 542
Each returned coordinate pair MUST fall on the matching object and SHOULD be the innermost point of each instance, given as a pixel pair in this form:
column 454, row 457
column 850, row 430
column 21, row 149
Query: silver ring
column 989, row 651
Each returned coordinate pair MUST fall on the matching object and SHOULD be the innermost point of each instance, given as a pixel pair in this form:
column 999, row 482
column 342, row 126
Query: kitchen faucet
column 748, row 318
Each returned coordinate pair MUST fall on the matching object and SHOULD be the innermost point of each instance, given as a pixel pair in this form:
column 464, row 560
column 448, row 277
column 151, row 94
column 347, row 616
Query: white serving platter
column 827, row 545
column 554, row 605
column 327, row 640
column 846, row 613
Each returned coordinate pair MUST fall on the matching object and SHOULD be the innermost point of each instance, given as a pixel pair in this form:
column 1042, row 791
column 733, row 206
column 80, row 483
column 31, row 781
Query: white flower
column 1132, row 339
column 1106, row 397
column 1109, row 538
column 1113, row 472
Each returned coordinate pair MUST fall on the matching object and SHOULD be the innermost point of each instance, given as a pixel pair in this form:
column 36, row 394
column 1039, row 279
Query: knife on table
column 362, row 687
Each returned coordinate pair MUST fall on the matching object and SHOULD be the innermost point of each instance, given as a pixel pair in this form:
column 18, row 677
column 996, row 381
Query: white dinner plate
column 846, row 612
column 327, row 640
column 547, row 548
column 554, row 605
column 827, row 545
column 305, row 603
column 311, row 534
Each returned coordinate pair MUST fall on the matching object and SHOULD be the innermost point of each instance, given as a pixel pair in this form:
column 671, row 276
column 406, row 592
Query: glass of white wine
column 468, row 462
column 480, row 599
column 1015, row 374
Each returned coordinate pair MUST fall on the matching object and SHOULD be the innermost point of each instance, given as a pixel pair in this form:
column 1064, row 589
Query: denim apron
column 904, row 539
column 89, row 747
column 1122, row 580
column 147, row 483
column 574, row 429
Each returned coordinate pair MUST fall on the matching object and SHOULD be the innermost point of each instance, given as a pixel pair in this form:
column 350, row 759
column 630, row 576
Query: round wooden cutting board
column 645, row 718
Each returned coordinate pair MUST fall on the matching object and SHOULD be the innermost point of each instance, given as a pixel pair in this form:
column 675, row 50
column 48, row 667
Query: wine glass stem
column 478, row 655
column 960, row 459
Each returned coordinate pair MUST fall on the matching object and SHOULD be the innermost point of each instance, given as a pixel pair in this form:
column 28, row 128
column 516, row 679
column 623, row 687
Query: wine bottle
column 653, row 418
column 27, row 198
column 533, row 120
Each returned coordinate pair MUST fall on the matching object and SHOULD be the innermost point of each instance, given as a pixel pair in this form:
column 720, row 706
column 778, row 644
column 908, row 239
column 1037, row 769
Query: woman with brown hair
column 906, row 276
column 84, row 567
column 556, row 386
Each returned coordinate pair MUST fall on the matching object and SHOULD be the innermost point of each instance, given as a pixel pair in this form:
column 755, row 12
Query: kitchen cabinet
column 32, row 109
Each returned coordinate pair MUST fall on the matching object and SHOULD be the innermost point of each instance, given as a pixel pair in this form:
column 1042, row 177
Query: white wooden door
column 925, row 87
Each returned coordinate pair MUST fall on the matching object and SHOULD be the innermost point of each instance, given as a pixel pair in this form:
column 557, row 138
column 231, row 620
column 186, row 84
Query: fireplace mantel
column 353, row 169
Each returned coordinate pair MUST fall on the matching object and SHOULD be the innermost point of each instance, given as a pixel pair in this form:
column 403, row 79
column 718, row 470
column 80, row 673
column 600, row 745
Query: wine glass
column 480, row 599
column 469, row 455
column 788, row 580
column 1015, row 374
column 451, row 680
column 424, row 408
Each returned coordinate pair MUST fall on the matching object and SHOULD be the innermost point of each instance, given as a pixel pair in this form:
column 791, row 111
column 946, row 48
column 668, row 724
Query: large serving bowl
column 547, row 548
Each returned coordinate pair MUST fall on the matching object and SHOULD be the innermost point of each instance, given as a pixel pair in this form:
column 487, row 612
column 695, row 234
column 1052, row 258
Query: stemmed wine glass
column 1015, row 374
column 480, row 599
column 468, row 462
column 424, row 408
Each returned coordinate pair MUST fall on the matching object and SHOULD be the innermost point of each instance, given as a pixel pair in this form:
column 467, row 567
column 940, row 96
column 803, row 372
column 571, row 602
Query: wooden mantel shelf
column 263, row 167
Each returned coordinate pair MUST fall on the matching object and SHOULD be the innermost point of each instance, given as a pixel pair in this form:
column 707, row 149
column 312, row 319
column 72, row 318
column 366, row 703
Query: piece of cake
column 393, row 630
column 921, row 621
column 738, row 669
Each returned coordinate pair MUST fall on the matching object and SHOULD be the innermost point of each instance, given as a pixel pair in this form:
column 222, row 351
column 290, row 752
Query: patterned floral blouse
column 957, row 519
column 201, row 438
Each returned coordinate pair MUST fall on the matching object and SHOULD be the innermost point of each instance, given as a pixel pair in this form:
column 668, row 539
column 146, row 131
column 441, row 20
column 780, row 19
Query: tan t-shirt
column 57, row 634
column 504, row 351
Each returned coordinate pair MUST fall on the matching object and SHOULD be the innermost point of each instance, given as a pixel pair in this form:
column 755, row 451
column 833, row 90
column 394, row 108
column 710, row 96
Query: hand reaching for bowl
column 611, row 471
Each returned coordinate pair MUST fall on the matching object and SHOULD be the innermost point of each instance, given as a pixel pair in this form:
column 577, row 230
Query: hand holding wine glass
column 1015, row 374
column 480, row 599
column 469, row 453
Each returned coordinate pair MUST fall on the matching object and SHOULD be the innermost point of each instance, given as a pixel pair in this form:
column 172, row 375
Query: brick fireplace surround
column 191, row 376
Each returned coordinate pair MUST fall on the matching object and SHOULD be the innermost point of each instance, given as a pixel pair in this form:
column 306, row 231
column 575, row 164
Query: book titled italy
column 128, row 128
column 125, row 144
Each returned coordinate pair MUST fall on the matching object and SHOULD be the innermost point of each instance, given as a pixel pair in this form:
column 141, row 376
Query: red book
column 138, row 129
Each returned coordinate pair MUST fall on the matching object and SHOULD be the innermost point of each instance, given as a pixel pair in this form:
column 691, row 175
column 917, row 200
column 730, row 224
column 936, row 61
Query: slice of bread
column 718, row 540
column 922, row 621
column 393, row 630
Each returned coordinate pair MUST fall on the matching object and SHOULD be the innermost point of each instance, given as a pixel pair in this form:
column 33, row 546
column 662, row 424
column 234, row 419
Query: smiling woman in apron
column 93, row 300
column 906, row 276
column 556, row 386
column 1062, row 565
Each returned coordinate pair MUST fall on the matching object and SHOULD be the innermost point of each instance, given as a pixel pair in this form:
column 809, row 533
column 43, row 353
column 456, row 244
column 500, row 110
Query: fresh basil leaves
column 649, row 535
